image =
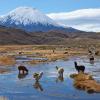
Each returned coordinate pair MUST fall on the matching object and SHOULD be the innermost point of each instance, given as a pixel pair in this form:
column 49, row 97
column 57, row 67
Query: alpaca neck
column 75, row 64
column 40, row 75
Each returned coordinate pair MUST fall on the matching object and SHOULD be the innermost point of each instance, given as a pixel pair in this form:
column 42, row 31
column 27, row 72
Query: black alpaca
column 79, row 68
column 92, row 58
column 23, row 69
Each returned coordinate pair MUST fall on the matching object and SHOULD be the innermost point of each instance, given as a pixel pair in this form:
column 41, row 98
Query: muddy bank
column 85, row 82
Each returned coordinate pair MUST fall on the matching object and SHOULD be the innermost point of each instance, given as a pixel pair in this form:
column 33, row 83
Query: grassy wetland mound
column 85, row 82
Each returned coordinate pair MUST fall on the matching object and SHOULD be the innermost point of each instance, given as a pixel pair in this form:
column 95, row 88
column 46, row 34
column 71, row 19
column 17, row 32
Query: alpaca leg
column 23, row 71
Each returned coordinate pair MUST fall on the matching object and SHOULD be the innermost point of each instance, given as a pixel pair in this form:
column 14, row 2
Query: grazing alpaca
column 91, row 58
column 23, row 69
column 97, row 53
column 37, row 76
column 60, row 71
column 79, row 68
column 90, row 52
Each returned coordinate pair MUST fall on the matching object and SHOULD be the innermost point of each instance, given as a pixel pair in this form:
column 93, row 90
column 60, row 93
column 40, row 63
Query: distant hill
column 17, row 36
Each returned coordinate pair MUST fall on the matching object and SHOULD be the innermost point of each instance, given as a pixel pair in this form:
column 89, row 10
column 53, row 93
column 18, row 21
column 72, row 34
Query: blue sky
column 49, row 6
column 79, row 14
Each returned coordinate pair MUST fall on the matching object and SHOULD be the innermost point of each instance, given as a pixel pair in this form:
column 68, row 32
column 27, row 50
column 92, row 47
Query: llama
column 37, row 76
column 79, row 68
column 22, row 69
column 60, row 71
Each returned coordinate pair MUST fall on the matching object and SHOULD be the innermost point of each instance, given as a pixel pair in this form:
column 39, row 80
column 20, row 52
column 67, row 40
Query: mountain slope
column 30, row 19
column 17, row 36
column 14, row 36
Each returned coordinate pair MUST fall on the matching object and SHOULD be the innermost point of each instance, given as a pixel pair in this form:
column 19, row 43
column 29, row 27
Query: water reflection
column 3, row 98
column 92, row 62
column 21, row 76
column 38, row 86
column 60, row 78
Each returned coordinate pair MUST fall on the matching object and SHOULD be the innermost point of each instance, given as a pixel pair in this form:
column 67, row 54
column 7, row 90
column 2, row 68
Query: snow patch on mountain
column 27, row 15
column 31, row 19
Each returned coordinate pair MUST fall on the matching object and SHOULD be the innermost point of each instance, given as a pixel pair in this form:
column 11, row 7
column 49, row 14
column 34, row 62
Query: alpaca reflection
column 21, row 76
column 92, row 62
column 37, row 86
column 60, row 78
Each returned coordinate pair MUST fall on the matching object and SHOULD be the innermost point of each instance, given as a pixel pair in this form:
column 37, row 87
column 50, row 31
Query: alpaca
column 91, row 58
column 79, row 68
column 97, row 53
column 60, row 78
column 37, row 76
column 60, row 71
column 23, row 69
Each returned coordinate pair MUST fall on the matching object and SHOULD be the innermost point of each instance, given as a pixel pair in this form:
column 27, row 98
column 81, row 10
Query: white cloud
column 84, row 19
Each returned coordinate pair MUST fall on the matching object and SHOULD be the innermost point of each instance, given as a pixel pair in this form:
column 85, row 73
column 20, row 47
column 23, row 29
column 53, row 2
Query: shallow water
column 49, row 87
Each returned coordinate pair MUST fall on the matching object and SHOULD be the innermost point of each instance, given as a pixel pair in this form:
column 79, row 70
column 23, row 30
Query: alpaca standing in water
column 60, row 79
column 37, row 76
column 79, row 68
column 91, row 58
column 22, row 70
column 60, row 71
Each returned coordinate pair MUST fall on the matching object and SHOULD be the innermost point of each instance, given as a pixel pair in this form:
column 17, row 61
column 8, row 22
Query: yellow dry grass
column 7, row 60
column 85, row 82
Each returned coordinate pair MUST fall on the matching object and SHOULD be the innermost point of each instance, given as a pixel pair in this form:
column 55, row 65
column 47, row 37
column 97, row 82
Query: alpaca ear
column 56, row 67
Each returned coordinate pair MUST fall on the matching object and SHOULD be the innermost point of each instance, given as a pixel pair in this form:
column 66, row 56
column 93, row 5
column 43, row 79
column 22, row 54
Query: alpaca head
column 41, row 73
column 75, row 63
column 37, row 76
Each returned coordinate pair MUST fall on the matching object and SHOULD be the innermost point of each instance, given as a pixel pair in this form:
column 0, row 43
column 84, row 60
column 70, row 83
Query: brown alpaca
column 22, row 69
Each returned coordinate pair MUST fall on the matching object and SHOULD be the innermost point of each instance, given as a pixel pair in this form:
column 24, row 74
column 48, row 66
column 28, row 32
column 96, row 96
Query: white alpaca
column 37, row 76
column 60, row 71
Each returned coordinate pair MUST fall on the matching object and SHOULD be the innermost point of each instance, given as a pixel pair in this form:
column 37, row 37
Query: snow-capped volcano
column 29, row 19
